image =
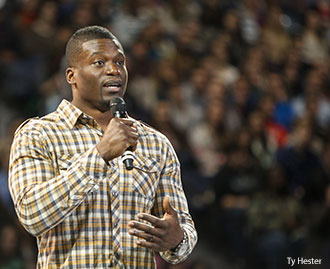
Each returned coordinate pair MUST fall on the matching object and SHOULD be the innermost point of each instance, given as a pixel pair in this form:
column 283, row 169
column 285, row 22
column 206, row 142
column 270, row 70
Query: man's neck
column 101, row 117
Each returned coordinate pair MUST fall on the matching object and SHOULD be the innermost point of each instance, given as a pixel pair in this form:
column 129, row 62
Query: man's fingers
column 147, row 240
column 146, row 244
column 133, row 135
column 141, row 226
column 146, row 236
column 147, row 228
column 156, row 222
column 128, row 122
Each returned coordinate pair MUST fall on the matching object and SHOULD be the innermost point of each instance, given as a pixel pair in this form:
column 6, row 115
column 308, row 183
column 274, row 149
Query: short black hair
column 73, row 47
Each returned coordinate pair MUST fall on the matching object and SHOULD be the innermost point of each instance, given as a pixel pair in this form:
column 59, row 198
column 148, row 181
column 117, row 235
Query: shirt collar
column 69, row 113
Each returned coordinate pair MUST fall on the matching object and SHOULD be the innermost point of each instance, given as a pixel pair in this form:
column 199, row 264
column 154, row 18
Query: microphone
column 118, row 110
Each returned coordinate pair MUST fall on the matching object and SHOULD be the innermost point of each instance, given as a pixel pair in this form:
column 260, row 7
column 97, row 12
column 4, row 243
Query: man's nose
column 112, row 69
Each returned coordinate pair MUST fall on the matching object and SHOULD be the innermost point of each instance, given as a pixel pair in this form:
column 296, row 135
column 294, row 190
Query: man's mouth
column 112, row 86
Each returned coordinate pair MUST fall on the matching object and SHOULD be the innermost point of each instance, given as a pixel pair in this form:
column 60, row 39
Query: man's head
column 96, row 68
column 74, row 45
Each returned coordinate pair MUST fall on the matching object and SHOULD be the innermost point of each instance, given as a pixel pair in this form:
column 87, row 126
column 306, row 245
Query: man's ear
column 70, row 75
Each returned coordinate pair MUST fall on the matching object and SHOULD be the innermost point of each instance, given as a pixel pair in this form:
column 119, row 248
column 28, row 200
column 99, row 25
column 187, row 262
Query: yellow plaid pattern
column 78, row 206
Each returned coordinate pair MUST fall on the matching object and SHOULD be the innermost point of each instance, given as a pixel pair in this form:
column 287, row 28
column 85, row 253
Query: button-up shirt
column 77, row 205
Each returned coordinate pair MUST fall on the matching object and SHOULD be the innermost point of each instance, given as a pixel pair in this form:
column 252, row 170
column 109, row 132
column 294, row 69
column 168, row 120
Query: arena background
column 241, row 88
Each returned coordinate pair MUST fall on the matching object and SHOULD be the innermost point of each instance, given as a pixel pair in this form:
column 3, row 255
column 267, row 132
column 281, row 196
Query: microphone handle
column 127, row 156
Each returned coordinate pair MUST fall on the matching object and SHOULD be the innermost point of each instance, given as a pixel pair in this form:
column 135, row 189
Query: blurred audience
column 276, row 228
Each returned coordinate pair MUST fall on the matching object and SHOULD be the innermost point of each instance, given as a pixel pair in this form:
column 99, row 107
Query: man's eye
column 99, row 63
column 120, row 63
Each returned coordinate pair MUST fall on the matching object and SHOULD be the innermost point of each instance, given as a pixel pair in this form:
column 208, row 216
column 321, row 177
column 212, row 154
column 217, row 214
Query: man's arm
column 170, row 185
column 170, row 219
column 41, row 196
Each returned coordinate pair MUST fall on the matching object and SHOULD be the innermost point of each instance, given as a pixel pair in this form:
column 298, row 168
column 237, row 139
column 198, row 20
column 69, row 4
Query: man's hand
column 163, row 234
column 118, row 136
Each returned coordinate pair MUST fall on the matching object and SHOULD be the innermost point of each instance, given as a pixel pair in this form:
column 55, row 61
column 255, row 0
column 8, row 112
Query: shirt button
column 114, row 193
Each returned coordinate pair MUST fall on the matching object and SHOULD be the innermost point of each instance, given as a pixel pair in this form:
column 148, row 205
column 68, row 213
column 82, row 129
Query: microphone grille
column 117, row 104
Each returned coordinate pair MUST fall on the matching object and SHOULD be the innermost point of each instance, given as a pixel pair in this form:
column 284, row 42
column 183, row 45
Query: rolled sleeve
column 172, row 257
column 170, row 185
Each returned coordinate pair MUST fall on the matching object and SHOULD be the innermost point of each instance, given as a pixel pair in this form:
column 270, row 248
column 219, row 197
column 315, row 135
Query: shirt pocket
column 65, row 161
column 145, row 176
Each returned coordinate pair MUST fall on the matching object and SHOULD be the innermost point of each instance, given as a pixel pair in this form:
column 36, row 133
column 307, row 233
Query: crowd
column 241, row 89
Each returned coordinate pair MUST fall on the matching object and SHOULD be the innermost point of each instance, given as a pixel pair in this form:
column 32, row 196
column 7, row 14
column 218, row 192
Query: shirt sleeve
column 170, row 185
column 41, row 196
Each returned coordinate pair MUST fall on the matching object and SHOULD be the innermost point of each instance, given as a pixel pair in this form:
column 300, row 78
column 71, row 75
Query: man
column 70, row 187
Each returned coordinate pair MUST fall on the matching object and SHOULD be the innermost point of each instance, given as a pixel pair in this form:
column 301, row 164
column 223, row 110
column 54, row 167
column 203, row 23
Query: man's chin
column 110, row 95
column 105, row 105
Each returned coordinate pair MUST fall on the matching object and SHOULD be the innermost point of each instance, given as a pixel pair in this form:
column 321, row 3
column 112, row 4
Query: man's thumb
column 167, row 206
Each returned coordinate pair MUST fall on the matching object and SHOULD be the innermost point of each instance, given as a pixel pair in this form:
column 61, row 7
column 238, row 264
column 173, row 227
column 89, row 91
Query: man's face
column 99, row 74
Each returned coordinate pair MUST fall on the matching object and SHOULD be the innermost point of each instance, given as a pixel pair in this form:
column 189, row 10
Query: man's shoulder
column 148, row 130
column 152, row 135
column 37, row 124
column 25, row 124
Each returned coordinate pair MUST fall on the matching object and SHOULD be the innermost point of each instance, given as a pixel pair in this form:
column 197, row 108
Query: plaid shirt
column 78, row 206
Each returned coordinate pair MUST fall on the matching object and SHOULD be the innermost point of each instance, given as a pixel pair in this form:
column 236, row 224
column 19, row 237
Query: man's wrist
column 183, row 242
